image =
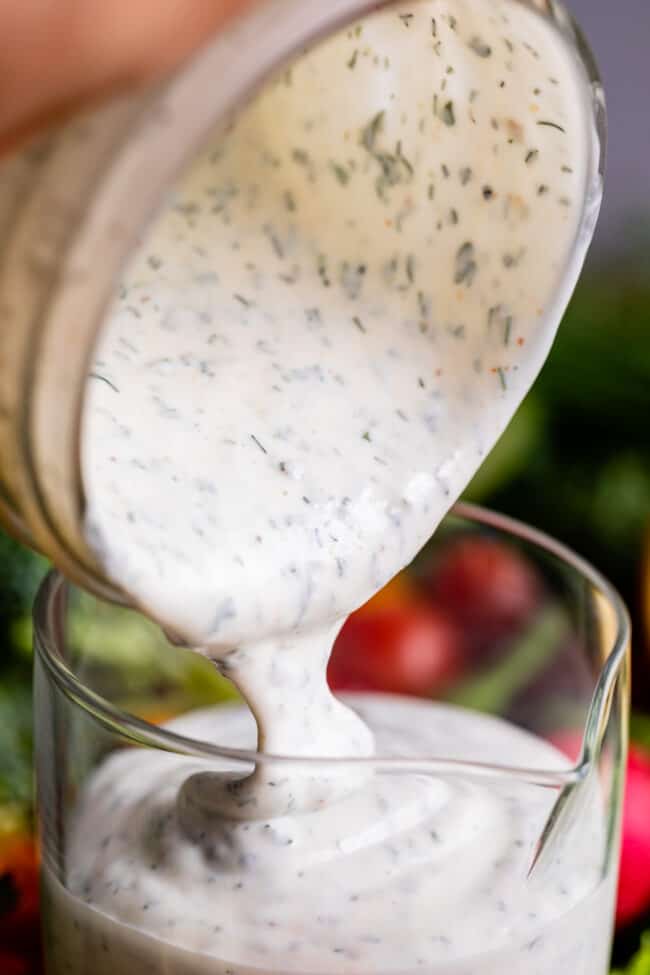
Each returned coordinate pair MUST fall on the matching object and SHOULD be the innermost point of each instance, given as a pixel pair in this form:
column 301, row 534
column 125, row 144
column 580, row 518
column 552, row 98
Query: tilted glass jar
column 72, row 208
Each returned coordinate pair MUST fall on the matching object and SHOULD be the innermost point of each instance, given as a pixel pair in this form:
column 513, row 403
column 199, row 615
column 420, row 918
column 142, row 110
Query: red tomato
column 410, row 649
column 12, row 964
column 19, row 879
column 634, row 879
column 486, row 585
column 634, row 876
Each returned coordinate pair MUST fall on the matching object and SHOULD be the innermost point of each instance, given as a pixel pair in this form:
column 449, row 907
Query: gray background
column 619, row 33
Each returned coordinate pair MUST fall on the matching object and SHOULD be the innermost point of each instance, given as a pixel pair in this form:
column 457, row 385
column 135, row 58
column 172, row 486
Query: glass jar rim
column 48, row 647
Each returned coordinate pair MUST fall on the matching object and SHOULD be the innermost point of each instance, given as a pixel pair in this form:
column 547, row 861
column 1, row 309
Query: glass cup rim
column 47, row 645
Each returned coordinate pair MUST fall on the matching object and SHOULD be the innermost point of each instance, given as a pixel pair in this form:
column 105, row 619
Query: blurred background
column 574, row 462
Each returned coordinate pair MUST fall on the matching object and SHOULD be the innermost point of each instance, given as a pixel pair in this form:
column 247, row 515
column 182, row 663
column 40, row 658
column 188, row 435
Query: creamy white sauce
column 409, row 871
column 322, row 336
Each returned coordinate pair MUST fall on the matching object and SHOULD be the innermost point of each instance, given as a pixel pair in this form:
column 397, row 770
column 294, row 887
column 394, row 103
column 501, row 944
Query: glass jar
column 72, row 208
column 106, row 679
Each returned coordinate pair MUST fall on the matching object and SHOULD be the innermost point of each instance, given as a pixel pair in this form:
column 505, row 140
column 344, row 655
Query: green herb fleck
column 371, row 131
column 551, row 125
column 480, row 48
column 499, row 316
column 352, row 63
column 402, row 158
column 410, row 268
column 322, row 271
column 258, row 444
column 341, row 173
column 465, row 264
column 274, row 240
column 300, row 156
column 103, row 379
column 448, row 115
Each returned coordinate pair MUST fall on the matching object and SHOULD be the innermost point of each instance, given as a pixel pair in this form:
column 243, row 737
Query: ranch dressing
column 319, row 340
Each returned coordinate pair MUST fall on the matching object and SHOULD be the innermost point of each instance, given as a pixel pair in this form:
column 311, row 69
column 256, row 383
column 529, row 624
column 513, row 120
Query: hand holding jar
column 55, row 57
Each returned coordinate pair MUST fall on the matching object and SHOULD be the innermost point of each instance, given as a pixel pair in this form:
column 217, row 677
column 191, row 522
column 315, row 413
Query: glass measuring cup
column 563, row 677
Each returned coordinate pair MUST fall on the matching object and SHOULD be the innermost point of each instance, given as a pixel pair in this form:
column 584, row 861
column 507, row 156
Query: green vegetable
column 513, row 452
column 640, row 964
column 15, row 754
column 599, row 370
column 528, row 658
column 21, row 572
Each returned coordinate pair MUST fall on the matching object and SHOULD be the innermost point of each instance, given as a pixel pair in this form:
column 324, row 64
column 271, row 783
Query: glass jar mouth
column 49, row 646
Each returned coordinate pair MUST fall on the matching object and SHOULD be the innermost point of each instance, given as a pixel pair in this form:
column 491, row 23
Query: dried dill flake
column 395, row 167
column 370, row 132
column 341, row 173
column 300, row 156
column 465, row 264
column 448, row 116
column 480, row 48
column 551, row 125
column 500, row 318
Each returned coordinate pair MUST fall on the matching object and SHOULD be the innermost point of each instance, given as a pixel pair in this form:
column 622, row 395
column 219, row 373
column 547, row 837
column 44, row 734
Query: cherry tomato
column 19, row 894
column 486, row 585
column 634, row 877
column 409, row 649
column 13, row 964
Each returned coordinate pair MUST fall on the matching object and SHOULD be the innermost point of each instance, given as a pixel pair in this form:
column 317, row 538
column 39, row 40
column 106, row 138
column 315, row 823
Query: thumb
column 57, row 55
